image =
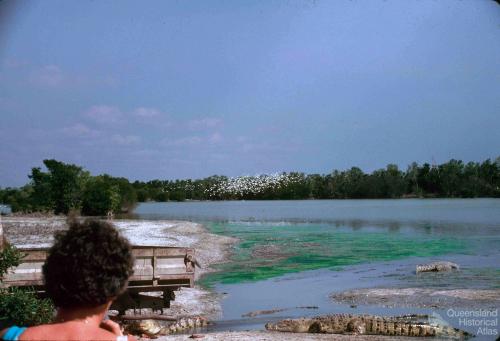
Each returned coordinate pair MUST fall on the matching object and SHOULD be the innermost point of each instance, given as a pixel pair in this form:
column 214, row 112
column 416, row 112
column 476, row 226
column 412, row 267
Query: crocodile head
column 356, row 326
column 293, row 326
column 148, row 327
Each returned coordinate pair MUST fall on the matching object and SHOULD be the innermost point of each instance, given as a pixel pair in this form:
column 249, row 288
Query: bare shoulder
column 106, row 335
column 37, row 332
column 51, row 332
column 102, row 334
column 62, row 332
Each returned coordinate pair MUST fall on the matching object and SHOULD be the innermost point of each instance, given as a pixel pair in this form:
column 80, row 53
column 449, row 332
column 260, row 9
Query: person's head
column 88, row 265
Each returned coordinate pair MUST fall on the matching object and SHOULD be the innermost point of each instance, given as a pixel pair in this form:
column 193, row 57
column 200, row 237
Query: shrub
column 9, row 256
column 19, row 306
column 22, row 307
column 100, row 197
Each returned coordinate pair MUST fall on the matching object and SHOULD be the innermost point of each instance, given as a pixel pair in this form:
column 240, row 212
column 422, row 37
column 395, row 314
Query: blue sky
column 187, row 89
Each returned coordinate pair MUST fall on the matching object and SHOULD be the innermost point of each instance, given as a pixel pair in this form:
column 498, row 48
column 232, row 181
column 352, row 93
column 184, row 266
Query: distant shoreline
column 6, row 212
column 408, row 197
column 64, row 188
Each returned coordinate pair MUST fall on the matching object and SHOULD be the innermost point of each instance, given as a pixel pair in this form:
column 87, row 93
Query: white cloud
column 191, row 140
column 204, row 123
column 80, row 130
column 215, row 138
column 125, row 140
column 48, row 75
column 146, row 112
column 104, row 114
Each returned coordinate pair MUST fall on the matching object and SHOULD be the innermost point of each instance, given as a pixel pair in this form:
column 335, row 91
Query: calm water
column 468, row 211
column 295, row 253
column 279, row 237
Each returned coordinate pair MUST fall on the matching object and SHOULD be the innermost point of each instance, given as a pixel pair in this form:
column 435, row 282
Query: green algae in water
column 271, row 250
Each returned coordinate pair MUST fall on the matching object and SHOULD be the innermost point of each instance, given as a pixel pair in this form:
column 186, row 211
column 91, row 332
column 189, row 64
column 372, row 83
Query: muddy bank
column 27, row 232
column 276, row 336
column 421, row 297
column 210, row 249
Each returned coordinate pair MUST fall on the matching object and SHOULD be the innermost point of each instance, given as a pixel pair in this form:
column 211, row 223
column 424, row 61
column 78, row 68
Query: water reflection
column 456, row 211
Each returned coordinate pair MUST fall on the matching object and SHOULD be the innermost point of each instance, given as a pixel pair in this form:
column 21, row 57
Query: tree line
column 63, row 188
column 66, row 187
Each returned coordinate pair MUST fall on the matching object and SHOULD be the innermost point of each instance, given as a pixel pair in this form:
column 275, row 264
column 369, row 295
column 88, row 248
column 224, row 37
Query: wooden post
column 168, row 295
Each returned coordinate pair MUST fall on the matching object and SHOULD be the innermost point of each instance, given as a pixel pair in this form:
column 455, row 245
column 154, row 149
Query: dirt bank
column 275, row 336
column 421, row 297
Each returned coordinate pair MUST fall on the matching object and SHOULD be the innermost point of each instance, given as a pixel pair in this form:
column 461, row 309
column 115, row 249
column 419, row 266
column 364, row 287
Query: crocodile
column 437, row 267
column 407, row 325
column 152, row 328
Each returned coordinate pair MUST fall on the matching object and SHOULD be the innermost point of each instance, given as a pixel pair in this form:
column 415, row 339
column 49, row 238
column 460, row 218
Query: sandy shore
column 422, row 297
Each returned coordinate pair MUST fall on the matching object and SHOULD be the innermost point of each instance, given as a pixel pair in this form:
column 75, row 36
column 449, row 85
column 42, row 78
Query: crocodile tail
column 452, row 332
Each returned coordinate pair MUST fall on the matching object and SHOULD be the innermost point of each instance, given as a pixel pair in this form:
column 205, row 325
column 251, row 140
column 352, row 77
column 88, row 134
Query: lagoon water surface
column 295, row 253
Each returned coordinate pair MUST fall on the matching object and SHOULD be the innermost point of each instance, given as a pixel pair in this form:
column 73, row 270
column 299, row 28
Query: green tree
column 352, row 183
column 395, row 182
column 60, row 188
column 19, row 199
column 412, row 179
column 429, row 180
column 100, row 197
column 318, row 188
column 471, row 184
column 42, row 197
column 126, row 191
column 451, row 174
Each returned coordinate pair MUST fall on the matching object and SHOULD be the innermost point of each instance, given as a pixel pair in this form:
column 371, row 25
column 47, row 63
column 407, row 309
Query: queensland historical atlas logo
column 483, row 321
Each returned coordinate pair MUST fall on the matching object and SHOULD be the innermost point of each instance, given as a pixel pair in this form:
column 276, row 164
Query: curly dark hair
column 88, row 264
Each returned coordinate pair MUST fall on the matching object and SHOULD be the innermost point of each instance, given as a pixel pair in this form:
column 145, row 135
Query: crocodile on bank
column 438, row 266
column 152, row 328
column 408, row 325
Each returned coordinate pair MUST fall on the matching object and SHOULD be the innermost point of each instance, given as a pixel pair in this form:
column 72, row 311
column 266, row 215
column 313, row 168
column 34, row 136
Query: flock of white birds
column 252, row 185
